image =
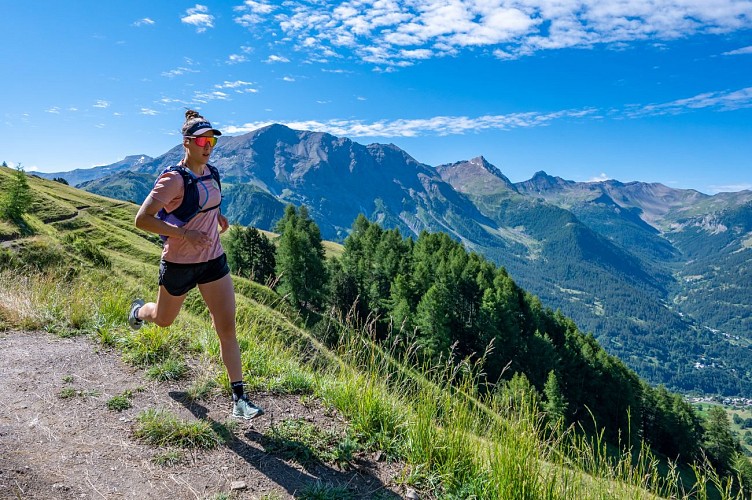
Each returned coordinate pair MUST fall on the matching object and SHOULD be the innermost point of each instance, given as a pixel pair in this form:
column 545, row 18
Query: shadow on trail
column 316, row 474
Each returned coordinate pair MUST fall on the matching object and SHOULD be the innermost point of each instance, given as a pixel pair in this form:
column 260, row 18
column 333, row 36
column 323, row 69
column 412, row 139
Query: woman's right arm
column 146, row 219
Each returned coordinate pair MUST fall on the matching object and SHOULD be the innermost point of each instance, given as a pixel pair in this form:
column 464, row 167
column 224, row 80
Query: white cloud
column 239, row 86
column 178, row 71
column 199, row 17
column 215, row 95
column 720, row 100
column 54, row 110
column 248, row 20
column 397, row 32
column 232, row 85
column 143, row 22
column 416, row 54
column 738, row 52
column 236, row 59
column 256, row 7
column 170, row 100
column 438, row 125
column 253, row 13
column 288, row 79
column 148, row 111
column 275, row 58
column 101, row 104
column 457, row 125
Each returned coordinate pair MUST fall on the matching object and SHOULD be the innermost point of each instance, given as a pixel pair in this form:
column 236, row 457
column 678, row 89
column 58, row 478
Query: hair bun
column 190, row 114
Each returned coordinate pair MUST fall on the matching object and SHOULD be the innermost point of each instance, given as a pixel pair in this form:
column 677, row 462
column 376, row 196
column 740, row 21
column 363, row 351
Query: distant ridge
column 81, row 175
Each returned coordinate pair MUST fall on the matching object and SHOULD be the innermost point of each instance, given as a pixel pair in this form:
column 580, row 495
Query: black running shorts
column 179, row 279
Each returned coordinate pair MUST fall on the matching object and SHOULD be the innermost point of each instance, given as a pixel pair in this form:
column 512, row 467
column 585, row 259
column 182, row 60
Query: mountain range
column 662, row 277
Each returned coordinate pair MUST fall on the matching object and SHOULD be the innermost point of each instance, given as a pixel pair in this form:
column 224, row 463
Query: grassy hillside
column 77, row 260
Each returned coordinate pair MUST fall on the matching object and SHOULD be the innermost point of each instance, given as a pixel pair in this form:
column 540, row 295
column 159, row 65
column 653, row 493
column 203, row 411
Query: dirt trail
column 53, row 447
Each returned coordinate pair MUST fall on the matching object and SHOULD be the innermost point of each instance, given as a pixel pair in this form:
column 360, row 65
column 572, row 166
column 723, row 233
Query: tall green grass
column 453, row 441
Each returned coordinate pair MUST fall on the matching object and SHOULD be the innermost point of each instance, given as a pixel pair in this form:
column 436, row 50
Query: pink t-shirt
column 169, row 190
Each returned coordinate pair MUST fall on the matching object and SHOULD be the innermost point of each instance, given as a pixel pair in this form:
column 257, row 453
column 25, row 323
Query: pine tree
column 236, row 257
column 300, row 259
column 261, row 255
column 250, row 254
column 402, row 303
column 359, row 261
column 17, row 199
column 518, row 396
column 342, row 294
column 720, row 444
column 433, row 319
column 555, row 405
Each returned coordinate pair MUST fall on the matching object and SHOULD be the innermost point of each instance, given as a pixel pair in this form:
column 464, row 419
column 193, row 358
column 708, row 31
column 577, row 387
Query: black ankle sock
column 237, row 390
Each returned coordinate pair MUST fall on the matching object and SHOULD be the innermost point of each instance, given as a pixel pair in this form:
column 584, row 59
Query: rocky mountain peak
column 543, row 184
column 476, row 176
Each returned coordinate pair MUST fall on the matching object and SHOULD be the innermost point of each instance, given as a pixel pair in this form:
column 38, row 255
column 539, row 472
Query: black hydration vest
column 189, row 207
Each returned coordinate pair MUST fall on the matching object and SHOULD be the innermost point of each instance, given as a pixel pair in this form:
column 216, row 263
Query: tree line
column 431, row 295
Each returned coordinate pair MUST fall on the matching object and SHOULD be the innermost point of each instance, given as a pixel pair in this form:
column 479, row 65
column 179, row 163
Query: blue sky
column 648, row 90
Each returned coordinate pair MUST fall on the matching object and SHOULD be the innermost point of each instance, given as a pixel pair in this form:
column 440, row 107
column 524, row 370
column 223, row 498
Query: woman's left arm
column 223, row 223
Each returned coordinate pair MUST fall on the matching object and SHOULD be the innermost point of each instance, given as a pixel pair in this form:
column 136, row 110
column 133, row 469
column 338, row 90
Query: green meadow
column 73, row 263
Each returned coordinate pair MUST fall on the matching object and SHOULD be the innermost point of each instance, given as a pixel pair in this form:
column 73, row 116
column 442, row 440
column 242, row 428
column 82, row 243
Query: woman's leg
column 219, row 296
column 164, row 311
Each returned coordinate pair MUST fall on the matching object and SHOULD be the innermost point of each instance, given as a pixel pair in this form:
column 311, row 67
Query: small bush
column 169, row 458
column 67, row 392
column 120, row 402
column 151, row 345
column 162, row 428
column 108, row 336
column 169, row 369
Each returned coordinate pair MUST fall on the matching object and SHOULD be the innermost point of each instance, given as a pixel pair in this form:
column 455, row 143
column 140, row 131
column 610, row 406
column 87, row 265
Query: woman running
column 184, row 208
